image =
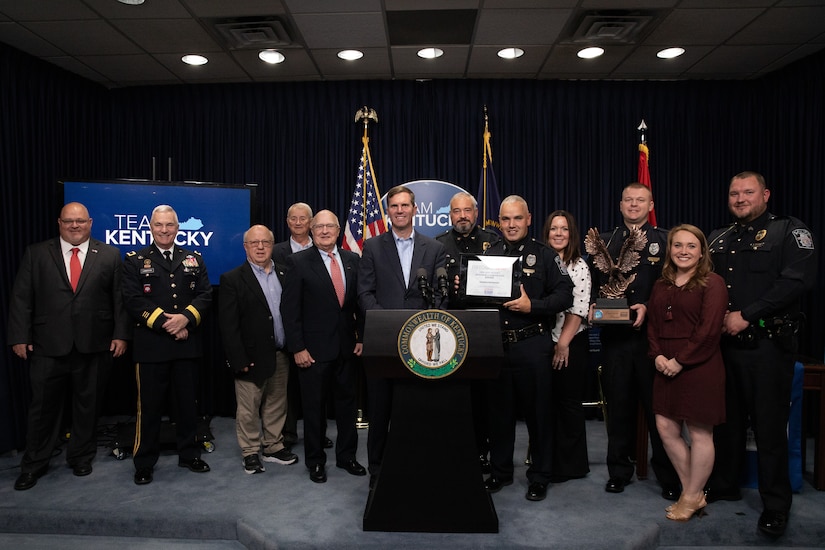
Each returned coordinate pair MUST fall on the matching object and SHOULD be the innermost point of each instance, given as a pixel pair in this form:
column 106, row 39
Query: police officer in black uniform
column 167, row 293
column 768, row 263
column 627, row 371
column 466, row 237
column 525, row 378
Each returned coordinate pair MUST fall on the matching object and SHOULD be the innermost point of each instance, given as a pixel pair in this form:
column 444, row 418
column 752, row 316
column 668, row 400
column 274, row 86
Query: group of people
column 709, row 349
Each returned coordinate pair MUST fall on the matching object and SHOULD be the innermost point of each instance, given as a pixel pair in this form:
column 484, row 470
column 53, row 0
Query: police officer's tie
column 337, row 280
column 74, row 269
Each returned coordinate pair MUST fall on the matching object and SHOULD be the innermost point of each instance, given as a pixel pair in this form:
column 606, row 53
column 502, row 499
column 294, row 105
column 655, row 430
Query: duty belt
column 510, row 336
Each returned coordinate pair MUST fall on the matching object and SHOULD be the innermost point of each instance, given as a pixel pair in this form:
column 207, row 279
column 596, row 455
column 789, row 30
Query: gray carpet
column 282, row 508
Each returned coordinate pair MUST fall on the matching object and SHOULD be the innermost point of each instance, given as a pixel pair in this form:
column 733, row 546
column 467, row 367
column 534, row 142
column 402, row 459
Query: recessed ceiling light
column 430, row 53
column 350, row 55
column 271, row 56
column 590, row 53
column 510, row 53
column 131, row 2
column 670, row 53
column 193, row 59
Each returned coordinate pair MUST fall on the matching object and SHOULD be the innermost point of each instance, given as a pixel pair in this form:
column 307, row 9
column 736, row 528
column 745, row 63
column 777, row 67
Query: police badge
column 611, row 306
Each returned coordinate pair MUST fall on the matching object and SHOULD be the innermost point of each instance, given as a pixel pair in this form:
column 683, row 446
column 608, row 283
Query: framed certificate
column 488, row 280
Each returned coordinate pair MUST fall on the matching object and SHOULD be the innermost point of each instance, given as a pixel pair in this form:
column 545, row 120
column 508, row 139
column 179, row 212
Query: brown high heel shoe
column 684, row 510
column 674, row 505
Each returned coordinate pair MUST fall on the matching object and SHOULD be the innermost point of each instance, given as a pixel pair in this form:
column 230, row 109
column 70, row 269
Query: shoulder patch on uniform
column 561, row 265
column 803, row 239
column 130, row 254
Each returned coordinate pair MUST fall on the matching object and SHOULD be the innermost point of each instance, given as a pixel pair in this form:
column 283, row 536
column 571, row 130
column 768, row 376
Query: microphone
column 441, row 275
column 423, row 285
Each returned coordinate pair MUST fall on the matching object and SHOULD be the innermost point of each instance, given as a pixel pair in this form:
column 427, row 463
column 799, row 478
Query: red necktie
column 74, row 268
column 337, row 280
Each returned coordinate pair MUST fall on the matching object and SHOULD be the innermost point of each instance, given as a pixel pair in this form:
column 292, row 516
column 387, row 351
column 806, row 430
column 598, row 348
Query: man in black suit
column 298, row 217
column 66, row 315
column 253, row 340
column 323, row 331
column 167, row 293
column 387, row 275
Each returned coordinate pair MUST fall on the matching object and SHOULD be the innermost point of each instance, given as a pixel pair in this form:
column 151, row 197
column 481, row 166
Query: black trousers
column 570, row 433
column 51, row 379
column 318, row 382
column 523, row 383
column 757, row 387
column 627, row 380
column 153, row 381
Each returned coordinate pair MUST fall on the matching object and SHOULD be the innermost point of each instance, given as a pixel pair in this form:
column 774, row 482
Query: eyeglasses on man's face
column 322, row 226
column 256, row 244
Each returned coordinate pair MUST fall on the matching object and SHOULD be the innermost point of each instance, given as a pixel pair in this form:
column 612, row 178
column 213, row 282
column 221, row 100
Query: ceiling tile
column 700, row 26
column 737, row 61
column 336, row 30
column 168, row 35
column 376, row 62
column 121, row 68
column 520, row 27
column 18, row 36
column 407, row 64
column 85, row 37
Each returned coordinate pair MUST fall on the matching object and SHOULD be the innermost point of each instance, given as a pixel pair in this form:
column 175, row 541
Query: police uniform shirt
column 652, row 258
column 767, row 265
column 456, row 244
column 545, row 281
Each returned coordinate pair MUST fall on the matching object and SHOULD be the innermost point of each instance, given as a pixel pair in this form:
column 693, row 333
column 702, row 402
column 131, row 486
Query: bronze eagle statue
column 617, row 281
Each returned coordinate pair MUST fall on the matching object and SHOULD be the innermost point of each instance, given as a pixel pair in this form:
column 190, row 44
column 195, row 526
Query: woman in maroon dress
column 685, row 313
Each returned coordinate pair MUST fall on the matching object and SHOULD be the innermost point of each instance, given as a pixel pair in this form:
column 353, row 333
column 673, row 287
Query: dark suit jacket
column 313, row 319
column 151, row 287
column 45, row 312
column 247, row 326
column 280, row 251
column 380, row 279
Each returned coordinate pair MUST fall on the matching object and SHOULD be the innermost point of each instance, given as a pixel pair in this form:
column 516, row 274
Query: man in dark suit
column 253, row 340
column 167, row 293
column 323, row 330
column 387, row 275
column 66, row 314
column 298, row 217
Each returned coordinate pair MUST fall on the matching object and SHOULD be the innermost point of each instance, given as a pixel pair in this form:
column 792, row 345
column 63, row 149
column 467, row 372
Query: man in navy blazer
column 324, row 328
column 254, row 343
column 70, row 335
column 387, row 279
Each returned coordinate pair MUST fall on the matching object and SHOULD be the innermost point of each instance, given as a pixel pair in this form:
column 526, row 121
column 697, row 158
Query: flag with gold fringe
column 488, row 197
column 366, row 214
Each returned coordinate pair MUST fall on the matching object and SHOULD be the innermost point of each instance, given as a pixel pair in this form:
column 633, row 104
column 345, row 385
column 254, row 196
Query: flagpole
column 485, row 146
column 365, row 115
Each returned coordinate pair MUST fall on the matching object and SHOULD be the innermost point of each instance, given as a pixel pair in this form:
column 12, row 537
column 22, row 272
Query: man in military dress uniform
column 466, row 237
column 525, row 378
column 627, row 371
column 166, row 292
column 768, row 263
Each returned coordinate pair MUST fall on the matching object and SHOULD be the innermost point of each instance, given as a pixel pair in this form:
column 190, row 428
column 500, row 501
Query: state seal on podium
column 432, row 344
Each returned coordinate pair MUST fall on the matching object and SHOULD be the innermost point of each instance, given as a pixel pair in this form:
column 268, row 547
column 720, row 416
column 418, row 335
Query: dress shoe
column 318, row 473
column 536, row 491
column 494, row 484
column 27, row 480
column 683, row 510
column 484, row 463
column 670, row 492
column 143, row 476
column 195, row 465
column 714, row 495
column 352, row 467
column 615, row 485
column 327, row 443
column 773, row 523
column 82, row 469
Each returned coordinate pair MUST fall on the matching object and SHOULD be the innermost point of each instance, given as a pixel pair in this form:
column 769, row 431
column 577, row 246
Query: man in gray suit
column 66, row 315
column 390, row 265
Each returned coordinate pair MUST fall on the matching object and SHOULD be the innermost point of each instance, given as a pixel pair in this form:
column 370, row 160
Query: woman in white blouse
column 570, row 354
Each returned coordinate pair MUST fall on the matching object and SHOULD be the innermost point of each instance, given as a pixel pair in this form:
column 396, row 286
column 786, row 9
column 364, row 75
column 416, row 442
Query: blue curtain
column 570, row 145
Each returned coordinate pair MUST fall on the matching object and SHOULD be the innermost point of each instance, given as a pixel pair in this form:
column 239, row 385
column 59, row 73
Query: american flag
column 366, row 214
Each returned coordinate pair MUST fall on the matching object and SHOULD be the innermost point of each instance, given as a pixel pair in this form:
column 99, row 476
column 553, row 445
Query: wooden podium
column 430, row 478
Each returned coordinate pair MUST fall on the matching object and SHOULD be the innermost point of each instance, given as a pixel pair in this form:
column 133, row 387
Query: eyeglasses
column 256, row 244
column 322, row 226
column 75, row 221
column 296, row 219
